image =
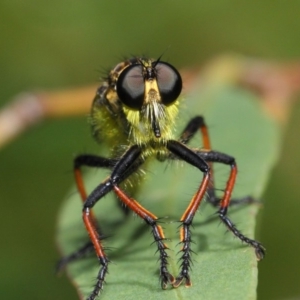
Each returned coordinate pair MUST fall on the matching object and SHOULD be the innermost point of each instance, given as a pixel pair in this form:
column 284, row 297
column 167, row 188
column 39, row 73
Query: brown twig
column 27, row 109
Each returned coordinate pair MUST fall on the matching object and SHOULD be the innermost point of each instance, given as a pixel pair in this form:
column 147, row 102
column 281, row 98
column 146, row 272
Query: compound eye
column 169, row 82
column 131, row 87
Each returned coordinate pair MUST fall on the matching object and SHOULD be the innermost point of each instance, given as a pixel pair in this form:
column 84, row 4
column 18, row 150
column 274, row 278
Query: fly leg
column 195, row 124
column 86, row 160
column 214, row 156
column 184, row 153
column 129, row 162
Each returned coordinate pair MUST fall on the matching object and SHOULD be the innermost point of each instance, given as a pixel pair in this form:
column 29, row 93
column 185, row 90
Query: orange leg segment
column 185, row 234
column 229, row 188
column 83, row 195
column 157, row 232
column 89, row 223
column 80, row 184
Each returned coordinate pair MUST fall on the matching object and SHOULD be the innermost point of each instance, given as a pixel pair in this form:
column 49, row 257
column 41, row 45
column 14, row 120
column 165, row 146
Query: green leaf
column 223, row 267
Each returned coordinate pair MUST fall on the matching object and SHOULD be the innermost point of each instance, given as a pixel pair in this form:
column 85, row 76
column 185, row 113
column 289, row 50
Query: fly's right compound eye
column 169, row 82
column 131, row 87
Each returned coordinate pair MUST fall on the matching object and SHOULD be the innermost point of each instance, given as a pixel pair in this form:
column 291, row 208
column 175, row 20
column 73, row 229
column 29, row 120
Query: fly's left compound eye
column 131, row 87
column 169, row 82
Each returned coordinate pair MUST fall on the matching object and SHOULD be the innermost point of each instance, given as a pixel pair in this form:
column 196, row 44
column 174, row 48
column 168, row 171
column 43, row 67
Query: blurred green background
column 60, row 44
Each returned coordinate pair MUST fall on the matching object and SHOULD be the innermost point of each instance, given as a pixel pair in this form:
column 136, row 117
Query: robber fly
column 134, row 113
